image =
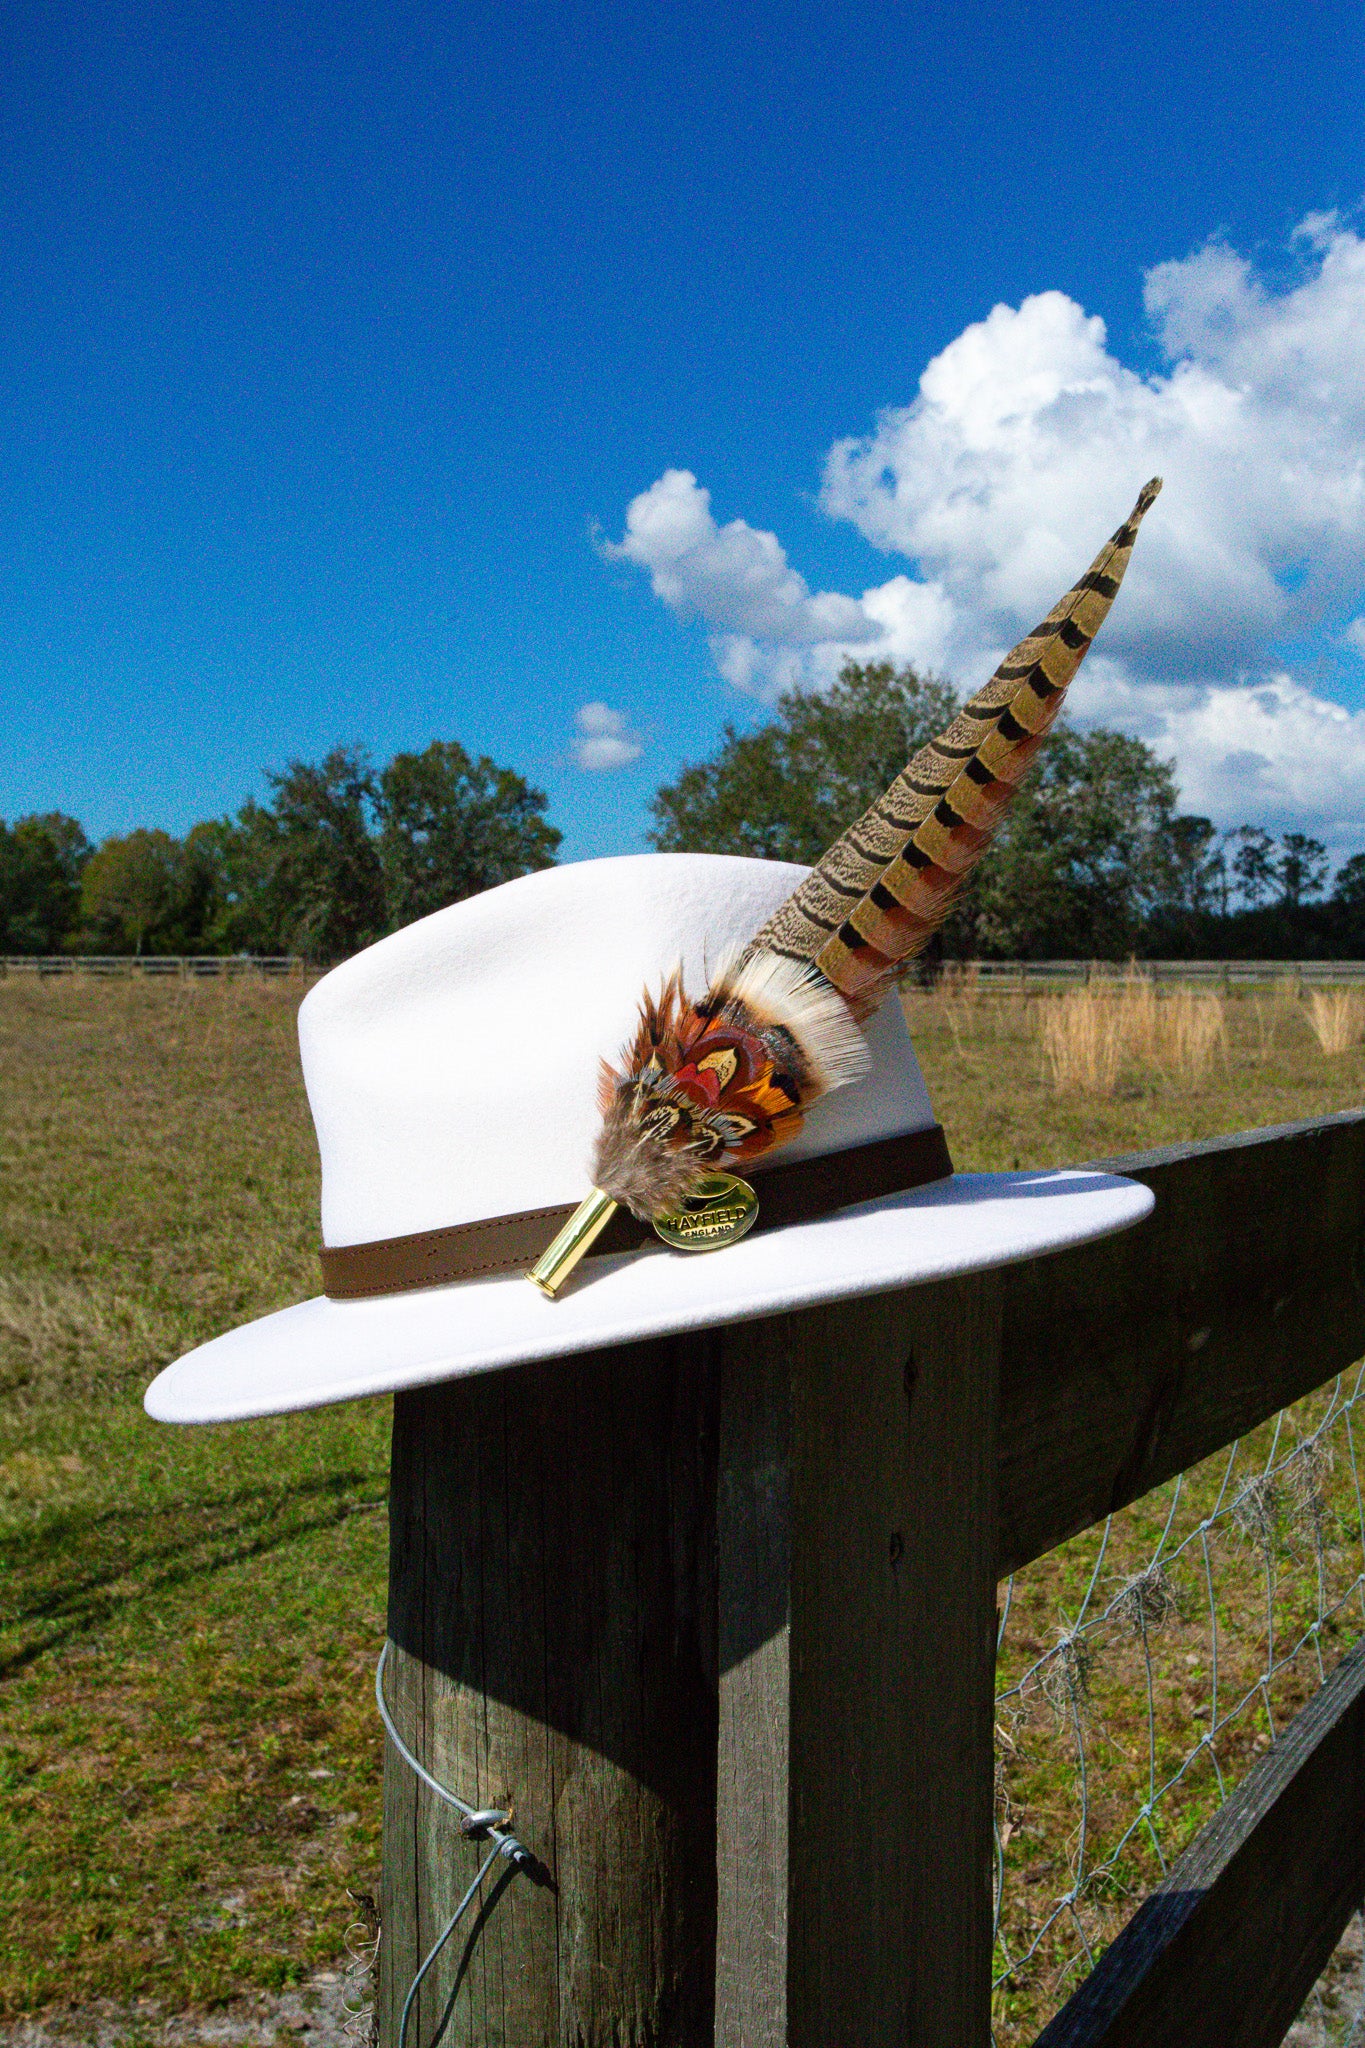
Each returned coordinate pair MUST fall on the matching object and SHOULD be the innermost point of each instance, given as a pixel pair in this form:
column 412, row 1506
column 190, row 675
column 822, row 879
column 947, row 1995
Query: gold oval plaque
column 719, row 1213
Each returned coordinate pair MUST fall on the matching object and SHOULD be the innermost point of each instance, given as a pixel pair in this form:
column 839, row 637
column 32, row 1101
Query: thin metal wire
column 451, row 1924
column 476, row 1823
column 1285, row 1488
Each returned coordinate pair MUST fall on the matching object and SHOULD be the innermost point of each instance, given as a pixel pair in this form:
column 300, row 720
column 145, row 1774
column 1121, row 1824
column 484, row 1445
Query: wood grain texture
column 552, row 1616
column 1127, row 1361
column 950, row 1570
column 753, row 1518
column 1225, row 1952
column 855, row 1775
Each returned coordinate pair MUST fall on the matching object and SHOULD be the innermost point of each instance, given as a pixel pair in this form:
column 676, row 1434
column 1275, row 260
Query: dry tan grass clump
column 1089, row 1034
column 1142, row 1014
column 1336, row 1018
column 1192, row 1029
column 1082, row 1041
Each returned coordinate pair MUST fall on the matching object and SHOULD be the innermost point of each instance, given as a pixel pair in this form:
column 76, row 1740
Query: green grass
column 188, row 1755
column 188, row 1750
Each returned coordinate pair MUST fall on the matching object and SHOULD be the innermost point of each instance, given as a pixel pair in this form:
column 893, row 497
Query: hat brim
column 324, row 1351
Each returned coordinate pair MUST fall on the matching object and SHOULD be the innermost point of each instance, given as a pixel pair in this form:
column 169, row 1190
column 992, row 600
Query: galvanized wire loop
column 488, row 1823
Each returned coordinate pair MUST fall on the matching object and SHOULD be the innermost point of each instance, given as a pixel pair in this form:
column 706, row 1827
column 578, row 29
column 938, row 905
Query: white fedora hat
column 452, row 1069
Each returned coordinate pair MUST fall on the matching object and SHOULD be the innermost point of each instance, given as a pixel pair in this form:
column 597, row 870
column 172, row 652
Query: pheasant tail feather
column 719, row 1081
column 883, row 889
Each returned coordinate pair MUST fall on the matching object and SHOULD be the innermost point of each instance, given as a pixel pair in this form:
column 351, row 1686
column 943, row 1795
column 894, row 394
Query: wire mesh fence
column 1143, row 1669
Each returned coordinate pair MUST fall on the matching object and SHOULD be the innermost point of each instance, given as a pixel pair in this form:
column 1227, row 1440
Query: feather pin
column 709, row 1084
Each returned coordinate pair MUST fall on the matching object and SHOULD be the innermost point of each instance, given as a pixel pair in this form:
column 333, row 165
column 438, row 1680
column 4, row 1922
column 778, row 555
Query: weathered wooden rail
column 716, row 1616
column 1194, row 1965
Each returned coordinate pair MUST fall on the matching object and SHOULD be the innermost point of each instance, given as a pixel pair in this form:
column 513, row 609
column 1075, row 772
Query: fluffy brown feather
column 712, row 1084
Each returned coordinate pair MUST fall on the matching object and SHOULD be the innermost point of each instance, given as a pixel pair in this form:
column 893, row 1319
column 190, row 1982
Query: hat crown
column 452, row 1068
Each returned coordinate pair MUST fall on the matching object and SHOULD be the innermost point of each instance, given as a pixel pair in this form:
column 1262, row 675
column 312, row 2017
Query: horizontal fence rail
column 1011, row 976
column 999, row 976
column 185, row 964
column 1193, row 1965
column 1128, row 1361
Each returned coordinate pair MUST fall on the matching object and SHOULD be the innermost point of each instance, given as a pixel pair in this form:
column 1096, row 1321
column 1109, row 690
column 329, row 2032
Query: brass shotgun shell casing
column 579, row 1234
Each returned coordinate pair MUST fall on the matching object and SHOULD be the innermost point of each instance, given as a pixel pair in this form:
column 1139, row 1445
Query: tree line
column 1095, row 860
column 339, row 854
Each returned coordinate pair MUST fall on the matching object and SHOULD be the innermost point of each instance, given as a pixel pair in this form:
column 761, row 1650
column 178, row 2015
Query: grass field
column 188, row 1754
column 187, row 1749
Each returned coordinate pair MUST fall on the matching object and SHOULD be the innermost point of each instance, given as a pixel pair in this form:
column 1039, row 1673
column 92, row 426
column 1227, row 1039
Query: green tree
column 340, row 855
column 1301, row 869
column 237, row 867
column 1196, row 870
column 1085, row 856
column 1254, row 864
column 41, row 858
column 451, row 825
column 1349, row 887
column 1091, row 847
column 323, row 886
column 135, row 893
column 786, row 791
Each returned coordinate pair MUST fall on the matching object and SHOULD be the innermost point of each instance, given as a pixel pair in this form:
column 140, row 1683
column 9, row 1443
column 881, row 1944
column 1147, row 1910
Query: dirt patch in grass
column 328, row 2011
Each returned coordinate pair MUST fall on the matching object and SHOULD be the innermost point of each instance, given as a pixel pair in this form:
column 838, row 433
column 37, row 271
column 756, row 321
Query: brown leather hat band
column 795, row 1193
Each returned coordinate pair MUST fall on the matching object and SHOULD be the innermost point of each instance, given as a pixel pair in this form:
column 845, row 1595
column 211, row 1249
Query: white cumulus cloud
column 1271, row 752
column 1025, row 444
column 1028, row 434
column 603, row 738
column 765, row 623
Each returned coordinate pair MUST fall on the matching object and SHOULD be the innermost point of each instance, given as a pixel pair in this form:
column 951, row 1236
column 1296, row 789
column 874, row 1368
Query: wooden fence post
column 551, row 1621
column 857, row 1538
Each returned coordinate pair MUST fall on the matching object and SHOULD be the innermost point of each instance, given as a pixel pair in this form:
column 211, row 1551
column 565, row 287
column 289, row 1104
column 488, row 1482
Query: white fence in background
column 1034, row 975
column 1003, row 975
column 187, row 965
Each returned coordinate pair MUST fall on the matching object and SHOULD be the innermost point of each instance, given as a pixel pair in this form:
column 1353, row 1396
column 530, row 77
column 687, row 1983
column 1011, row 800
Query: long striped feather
column 886, row 885
column 719, row 1081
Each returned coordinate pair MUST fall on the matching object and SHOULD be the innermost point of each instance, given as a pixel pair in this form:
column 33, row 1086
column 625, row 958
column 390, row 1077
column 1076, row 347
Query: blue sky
column 339, row 342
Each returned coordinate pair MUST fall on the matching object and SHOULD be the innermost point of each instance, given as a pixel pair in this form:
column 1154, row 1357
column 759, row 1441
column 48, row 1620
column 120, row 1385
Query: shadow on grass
column 76, row 1571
